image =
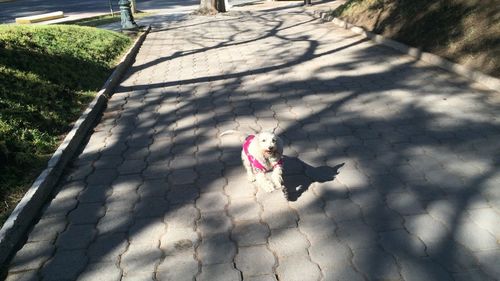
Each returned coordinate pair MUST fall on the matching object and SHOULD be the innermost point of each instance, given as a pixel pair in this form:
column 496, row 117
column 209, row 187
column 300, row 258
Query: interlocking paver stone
column 70, row 190
column 382, row 218
column 222, row 272
column 182, row 162
column 405, row 203
column 330, row 253
column 123, row 202
column 60, row 207
column 344, row 273
column 488, row 261
column 247, row 233
column 472, row 275
column 254, row 260
column 102, row 176
column 65, row 265
column 183, row 176
column 146, row 231
column 400, row 243
column 107, row 248
column 317, row 226
column 113, row 148
column 153, row 188
column 150, row 207
column 80, row 172
column 136, row 153
column 32, row 256
column 244, row 209
column 211, row 183
column 138, row 275
column 108, row 162
column 281, row 239
column 240, row 188
column 131, row 167
column 178, row 240
column 376, row 263
column 47, row 229
column 216, row 250
column 309, row 203
column 113, row 222
column 211, row 202
column 214, row 223
column 330, row 190
column 182, row 194
column 269, row 277
column 462, row 259
column 279, row 217
column 356, row 234
column 101, row 271
column 296, row 267
column 426, row 228
column 30, row 275
column 179, row 267
column 76, row 237
column 342, row 210
column 86, row 213
column 488, row 219
column 140, row 258
column 423, row 269
column 155, row 171
column 126, row 184
column 181, row 216
column 95, row 194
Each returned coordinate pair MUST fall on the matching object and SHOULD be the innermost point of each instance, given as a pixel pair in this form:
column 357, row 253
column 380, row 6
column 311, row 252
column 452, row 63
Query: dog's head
column 269, row 143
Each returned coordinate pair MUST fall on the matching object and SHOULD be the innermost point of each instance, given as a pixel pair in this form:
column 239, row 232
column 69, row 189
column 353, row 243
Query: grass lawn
column 48, row 74
column 464, row 31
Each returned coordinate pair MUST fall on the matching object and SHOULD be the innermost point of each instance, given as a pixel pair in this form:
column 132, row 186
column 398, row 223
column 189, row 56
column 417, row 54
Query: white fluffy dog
column 262, row 154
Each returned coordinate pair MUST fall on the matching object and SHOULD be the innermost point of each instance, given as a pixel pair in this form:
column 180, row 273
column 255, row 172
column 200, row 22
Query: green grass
column 48, row 74
column 105, row 19
column 464, row 31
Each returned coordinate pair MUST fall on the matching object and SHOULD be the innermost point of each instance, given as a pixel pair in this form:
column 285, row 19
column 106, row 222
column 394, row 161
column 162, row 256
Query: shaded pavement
column 397, row 162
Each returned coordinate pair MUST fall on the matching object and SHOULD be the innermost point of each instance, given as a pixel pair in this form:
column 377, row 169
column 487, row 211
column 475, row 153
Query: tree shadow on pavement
column 415, row 145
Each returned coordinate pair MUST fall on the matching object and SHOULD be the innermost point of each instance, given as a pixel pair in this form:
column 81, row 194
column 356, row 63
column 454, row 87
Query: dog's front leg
column 250, row 175
column 263, row 182
column 277, row 177
column 248, row 168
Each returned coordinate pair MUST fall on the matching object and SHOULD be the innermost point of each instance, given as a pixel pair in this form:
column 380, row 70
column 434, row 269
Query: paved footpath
column 156, row 195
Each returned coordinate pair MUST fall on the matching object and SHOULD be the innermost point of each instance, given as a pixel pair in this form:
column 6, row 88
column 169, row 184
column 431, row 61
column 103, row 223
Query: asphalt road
column 21, row 8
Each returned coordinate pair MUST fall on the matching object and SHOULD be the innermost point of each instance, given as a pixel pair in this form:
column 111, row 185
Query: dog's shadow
column 298, row 176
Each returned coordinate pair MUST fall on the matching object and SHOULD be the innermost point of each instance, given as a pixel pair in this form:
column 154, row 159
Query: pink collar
column 254, row 162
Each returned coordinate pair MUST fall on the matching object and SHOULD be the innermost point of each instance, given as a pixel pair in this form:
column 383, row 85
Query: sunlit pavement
column 397, row 163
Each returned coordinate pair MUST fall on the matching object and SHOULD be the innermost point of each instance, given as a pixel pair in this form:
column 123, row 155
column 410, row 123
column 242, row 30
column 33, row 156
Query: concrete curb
column 13, row 231
column 40, row 18
column 474, row 75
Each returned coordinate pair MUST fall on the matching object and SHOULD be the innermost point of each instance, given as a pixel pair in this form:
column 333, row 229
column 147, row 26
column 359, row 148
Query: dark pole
column 127, row 18
column 307, row 3
column 111, row 8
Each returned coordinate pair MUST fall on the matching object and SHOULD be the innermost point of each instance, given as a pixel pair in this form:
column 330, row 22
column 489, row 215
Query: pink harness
column 254, row 162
